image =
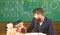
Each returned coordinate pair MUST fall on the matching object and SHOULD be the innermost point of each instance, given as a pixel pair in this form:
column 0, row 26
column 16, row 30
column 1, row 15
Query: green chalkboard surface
column 13, row 10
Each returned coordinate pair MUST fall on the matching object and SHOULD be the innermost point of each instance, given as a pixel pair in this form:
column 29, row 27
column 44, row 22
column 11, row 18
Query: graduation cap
column 17, row 22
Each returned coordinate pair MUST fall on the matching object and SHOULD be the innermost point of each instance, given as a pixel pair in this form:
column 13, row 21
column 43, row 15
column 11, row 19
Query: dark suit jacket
column 47, row 27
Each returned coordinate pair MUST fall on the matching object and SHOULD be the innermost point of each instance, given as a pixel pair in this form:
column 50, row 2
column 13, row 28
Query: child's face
column 21, row 23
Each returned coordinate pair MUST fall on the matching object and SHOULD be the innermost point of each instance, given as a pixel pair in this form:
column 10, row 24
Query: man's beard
column 38, row 20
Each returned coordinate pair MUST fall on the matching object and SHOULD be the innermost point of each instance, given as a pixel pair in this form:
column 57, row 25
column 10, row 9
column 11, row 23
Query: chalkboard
column 13, row 10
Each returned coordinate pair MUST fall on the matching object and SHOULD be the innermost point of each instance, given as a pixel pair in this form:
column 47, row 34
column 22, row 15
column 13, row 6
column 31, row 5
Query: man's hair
column 38, row 11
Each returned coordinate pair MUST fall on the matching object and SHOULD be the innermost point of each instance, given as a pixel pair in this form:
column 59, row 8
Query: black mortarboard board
column 17, row 22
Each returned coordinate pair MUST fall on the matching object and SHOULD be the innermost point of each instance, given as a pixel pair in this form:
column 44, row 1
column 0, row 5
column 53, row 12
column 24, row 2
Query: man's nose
column 34, row 16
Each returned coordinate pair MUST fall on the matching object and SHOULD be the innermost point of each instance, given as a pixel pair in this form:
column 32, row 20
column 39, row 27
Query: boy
column 20, row 27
